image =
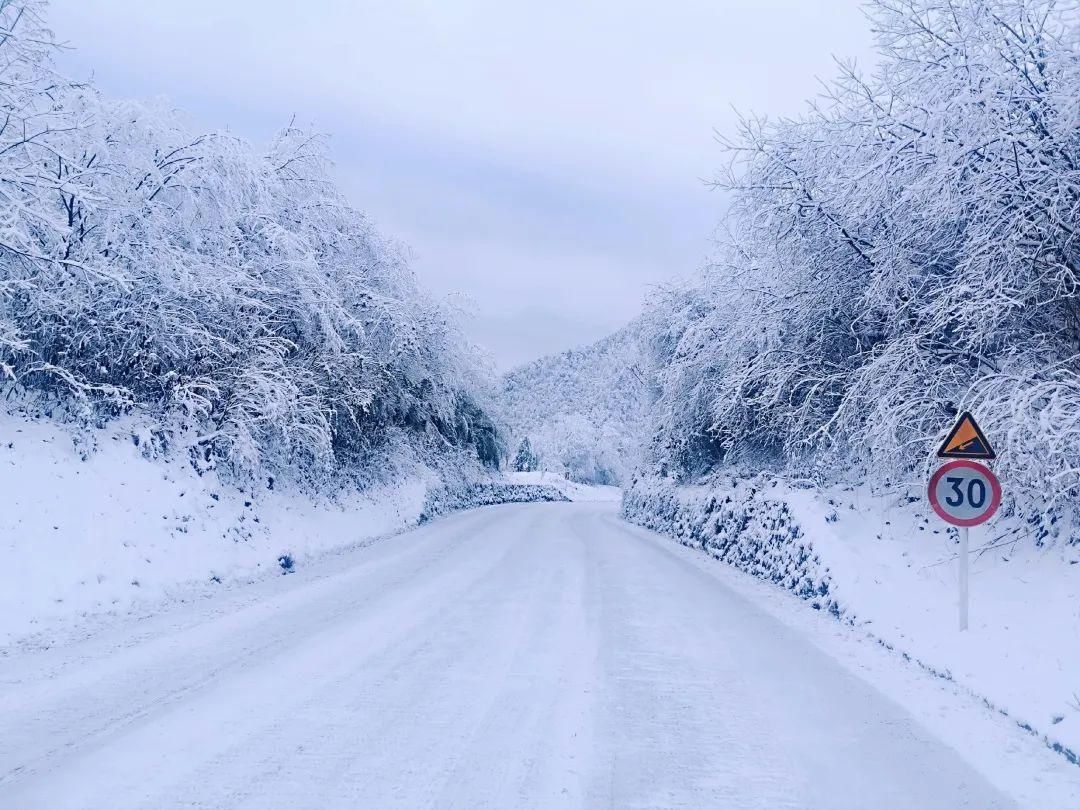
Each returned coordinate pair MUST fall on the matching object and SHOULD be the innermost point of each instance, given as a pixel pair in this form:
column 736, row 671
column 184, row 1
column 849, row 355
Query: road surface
column 522, row 656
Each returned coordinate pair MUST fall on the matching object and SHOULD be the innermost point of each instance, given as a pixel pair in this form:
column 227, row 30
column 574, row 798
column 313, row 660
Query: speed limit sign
column 964, row 493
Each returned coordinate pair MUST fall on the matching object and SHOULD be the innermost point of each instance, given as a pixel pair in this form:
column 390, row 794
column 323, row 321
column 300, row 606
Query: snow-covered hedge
column 741, row 525
column 494, row 492
column 449, row 498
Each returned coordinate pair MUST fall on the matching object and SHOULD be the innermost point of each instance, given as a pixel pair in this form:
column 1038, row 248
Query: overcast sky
column 544, row 159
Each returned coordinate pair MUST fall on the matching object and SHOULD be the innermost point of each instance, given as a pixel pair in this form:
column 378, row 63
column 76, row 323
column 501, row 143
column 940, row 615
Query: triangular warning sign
column 966, row 440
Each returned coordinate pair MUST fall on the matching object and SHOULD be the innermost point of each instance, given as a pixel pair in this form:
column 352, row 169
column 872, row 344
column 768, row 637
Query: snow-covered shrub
column 496, row 492
column 453, row 495
column 739, row 524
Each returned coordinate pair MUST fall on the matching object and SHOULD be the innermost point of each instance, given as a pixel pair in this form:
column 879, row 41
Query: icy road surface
column 525, row 656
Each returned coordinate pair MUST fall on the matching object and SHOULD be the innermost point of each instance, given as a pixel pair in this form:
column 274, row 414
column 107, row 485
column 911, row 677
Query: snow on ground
column 108, row 530
column 890, row 565
column 527, row 656
column 894, row 564
column 671, row 663
column 571, row 489
column 1014, row 761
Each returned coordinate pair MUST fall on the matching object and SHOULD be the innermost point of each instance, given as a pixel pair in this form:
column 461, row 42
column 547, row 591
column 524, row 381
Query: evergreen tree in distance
column 526, row 460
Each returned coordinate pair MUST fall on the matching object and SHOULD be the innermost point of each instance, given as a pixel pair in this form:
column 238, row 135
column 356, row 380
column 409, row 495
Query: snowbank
column 887, row 565
column 89, row 530
column 114, row 527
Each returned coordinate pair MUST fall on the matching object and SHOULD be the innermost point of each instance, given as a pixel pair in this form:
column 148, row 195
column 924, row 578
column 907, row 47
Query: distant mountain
column 584, row 411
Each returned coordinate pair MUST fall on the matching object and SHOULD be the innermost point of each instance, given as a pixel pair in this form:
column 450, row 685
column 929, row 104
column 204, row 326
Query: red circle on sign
column 995, row 493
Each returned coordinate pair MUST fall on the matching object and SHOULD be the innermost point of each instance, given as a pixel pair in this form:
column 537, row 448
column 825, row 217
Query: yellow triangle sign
column 966, row 440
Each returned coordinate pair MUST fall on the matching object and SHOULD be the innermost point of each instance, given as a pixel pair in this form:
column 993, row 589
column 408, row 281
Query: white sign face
column 964, row 493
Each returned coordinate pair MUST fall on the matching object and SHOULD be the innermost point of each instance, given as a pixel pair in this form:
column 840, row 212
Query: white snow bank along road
column 103, row 524
column 887, row 563
column 89, row 530
column 519, row 656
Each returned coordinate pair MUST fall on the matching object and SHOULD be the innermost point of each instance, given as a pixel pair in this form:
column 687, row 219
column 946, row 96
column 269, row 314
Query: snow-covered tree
column 905, row 250
column 526, row 460
column 192, row 276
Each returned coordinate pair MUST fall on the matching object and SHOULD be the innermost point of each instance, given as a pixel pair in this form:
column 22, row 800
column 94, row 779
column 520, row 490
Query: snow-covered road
column 536, row 655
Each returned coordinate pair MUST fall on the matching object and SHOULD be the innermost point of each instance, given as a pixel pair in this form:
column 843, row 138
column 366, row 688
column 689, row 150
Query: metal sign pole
column 963, row 577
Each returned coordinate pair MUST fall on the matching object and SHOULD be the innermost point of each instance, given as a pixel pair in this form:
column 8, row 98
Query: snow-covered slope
column 584, row 411
column 888, row 565
column 103, row 521
column 85, row 530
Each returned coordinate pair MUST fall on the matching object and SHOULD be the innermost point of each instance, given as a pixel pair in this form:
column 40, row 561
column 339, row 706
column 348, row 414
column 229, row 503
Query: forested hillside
column 224, row 290
column 583, row 412
column 905, row 250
